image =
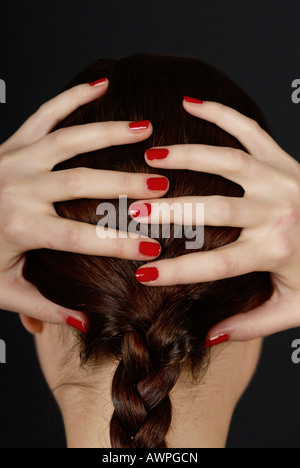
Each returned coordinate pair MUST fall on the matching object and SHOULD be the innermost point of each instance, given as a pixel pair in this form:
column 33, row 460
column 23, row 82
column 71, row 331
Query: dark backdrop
column 257, row 44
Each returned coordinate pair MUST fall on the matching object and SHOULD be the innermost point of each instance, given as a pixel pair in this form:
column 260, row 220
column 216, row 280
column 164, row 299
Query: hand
column 28, row 190
column 269, row 214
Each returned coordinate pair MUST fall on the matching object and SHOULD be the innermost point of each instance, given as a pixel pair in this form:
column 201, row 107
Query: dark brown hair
column 152, row 332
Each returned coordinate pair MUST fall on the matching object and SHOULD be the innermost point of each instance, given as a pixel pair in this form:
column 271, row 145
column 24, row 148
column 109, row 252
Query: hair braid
column 152, row 331
column 140, row 393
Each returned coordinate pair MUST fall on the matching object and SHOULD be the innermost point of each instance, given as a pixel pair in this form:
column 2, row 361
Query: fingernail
column 140, row 209
column 77, row 324
column 145, row 275
column 158, row 184
column 98, row 82
column 139, row 125
column 216, row 341
column 150, row 249
column 193, row 100
column 157, row 153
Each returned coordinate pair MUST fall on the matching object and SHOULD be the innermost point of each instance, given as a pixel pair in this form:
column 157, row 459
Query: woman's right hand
column 29, row 189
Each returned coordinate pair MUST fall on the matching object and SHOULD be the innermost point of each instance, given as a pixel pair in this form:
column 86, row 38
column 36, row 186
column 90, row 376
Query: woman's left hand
column 269, row 215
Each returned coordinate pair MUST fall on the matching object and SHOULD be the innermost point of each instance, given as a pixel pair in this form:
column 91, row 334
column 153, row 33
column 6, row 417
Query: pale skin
column 201, row 411
column 269, row 214
column 270, row 241
column 28, row 190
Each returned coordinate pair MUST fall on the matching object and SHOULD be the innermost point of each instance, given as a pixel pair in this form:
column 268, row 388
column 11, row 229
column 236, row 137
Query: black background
column 257, row 43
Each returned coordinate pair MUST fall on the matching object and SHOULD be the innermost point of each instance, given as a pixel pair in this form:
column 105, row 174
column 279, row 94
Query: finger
column 54, row 111
column 212, row 210
column 265, row 320
column 236, row 259
column 72, row 236
column 82, row 182
column 24, row 298
column 71, row 141
column 231, row 163
column 256, row 140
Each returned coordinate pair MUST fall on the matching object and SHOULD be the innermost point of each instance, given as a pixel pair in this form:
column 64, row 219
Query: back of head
column 152, row 332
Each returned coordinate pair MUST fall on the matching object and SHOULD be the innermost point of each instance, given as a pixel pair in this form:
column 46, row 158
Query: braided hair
column 153, row 333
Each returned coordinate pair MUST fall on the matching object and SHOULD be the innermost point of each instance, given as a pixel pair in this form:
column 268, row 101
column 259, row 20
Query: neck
column 201, row 412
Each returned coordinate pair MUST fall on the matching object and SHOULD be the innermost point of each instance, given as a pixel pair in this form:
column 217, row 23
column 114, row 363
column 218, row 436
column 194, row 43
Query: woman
column 149, row 341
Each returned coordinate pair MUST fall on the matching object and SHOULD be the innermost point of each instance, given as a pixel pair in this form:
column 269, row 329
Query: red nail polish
column 157, row 153
column 216, row 341
column 72, row 322
column 140, row 209
column 157, row 184
column 98, row 82
column 150, row 249
column 140, row 125
column 193, row 100
column 145, row 275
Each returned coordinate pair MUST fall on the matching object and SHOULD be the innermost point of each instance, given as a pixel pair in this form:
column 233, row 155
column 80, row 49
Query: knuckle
column 225, row 209
column 175, row 277
column 294, row 189
column 175, row 273
column 60, row 138
column 119, row 248
column 126, row 181
column 6, row 163
column 110, row 132
column 12, row 219
column 189, row 157
column 12, row 228
column 290, row 216
column 45, row 110
column 225, row 266
column 241, row 161
column 3, row 163
column 38, row 187
column 282, row 249
column 253, row 127
column 7, row 192
column 73, row 181
column 77, row 93
column 290, row 183
column 71, row 238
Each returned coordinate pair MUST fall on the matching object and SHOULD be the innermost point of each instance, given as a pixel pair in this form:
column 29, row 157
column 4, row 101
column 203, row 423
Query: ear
column 32, row 325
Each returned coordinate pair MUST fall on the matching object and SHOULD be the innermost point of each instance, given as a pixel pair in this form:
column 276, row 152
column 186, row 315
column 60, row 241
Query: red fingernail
column 193, row 100
column 140, row 209
column 150, row 249
column 156, row 153
column 98, row 82
column 140, row 125
column 77, row 324
column 145, row 275
column 157, row 184
column 216, row 341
